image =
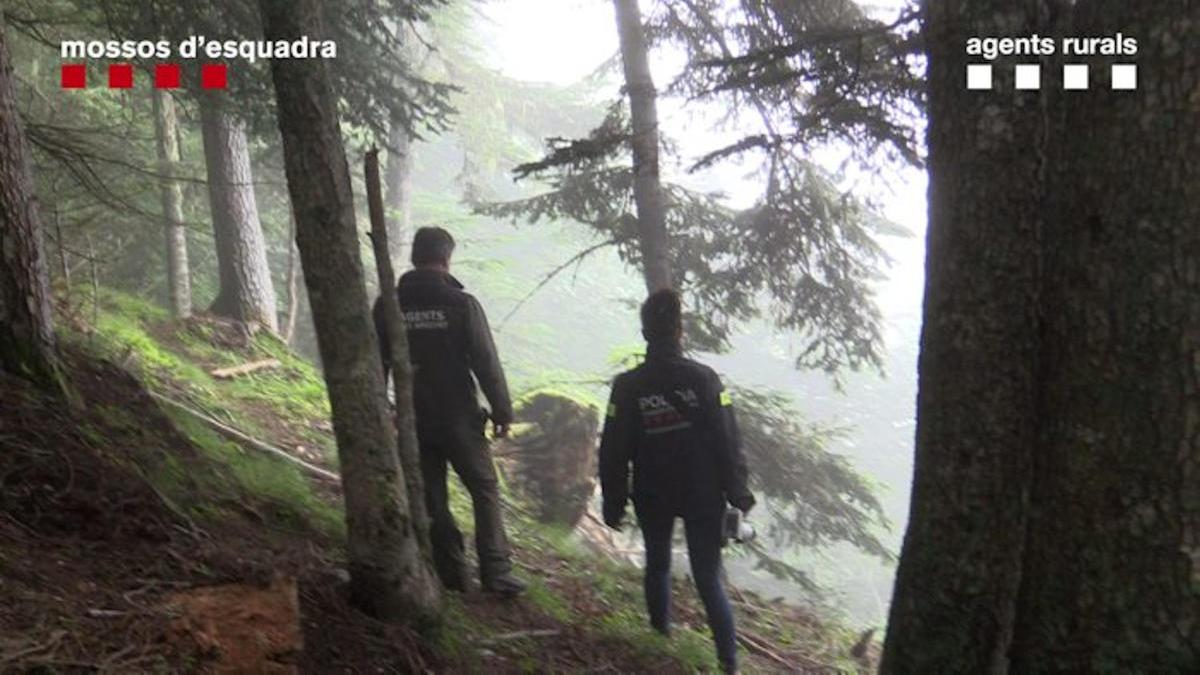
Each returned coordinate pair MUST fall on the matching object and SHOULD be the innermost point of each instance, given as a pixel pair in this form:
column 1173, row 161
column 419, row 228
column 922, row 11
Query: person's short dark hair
column 432, row 246
column 662, row 315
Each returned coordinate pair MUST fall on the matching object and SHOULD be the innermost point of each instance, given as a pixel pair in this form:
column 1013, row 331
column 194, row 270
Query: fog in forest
column 585, row 336
column 876, row 411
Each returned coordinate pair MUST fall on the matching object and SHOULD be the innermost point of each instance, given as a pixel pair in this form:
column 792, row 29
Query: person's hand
column 499, row 430
column 743, row 502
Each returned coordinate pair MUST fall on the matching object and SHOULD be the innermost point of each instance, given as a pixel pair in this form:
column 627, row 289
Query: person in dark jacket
column 450, row 345
column 672, row 420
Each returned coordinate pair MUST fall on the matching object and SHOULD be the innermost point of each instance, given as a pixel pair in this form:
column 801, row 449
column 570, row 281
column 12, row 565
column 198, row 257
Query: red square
column 120, row 76
column 213, row 76
column 74, row 76
column 166, row 76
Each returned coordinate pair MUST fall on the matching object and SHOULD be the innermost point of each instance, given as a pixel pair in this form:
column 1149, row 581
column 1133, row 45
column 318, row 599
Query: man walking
column 673, row 421
column 450, row 345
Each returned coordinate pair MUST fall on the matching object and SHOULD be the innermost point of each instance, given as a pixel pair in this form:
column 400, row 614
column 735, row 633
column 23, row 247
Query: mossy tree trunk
column 27, row 345
column 389, row 576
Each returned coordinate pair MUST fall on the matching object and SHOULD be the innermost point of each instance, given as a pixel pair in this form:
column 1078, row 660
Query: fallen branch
column 592, row 517
column 98, row 613
column 234, row 434
column 245, row 369
column 757, row 647
column 517, row 635
column 16, row 657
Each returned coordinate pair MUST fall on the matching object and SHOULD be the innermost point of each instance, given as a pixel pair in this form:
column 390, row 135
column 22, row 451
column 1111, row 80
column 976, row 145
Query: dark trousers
column 704, row 550
column 464, row 447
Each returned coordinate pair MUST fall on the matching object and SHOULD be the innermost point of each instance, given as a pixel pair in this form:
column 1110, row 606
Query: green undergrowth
column 274, row 484
column 174, row 359
column 619, row 588
column 569, row 583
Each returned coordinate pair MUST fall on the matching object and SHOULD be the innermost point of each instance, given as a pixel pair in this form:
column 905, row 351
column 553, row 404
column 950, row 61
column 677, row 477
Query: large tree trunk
column 647, row 185
column 27, row 345
column 166, row 127
column 389, row 576
column 247, row 293
column 1055, row 522
column 1113, row 558
column 957, row 581
column 398, row 193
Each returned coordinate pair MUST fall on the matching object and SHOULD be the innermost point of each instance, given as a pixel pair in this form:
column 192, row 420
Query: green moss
column 126, row 332
column 689, row 648
column 264, row 480
column 458, row 634
column 544, row 598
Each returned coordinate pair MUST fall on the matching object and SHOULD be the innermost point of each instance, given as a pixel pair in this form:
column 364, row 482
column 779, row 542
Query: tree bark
column 246, row 292
column 293, row 286
column 27, row 345
column 1113, row 556
column 402, row 370
column 398, row 176
column 957, row 581
column 647, row 185
column 398, row 179
column 389, row 576
column 1055, row 522
column 179, row 282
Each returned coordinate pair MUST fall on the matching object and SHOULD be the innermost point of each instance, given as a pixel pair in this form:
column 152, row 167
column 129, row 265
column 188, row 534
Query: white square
column 979, row 76
column 1029, row 76
column 1124, row 76
column 1075, row 76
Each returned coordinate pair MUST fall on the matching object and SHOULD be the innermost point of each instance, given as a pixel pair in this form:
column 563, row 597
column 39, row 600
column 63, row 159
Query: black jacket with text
column 448, row 340
column 672, row 420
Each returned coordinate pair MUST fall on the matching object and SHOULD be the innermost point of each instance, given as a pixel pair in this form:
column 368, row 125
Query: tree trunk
column 402, row 370
column 293, row 287
column 27, row 345
column 398, row 176
column 647, row 185
column 179, row 282
column 959, row 571
column 247, row 293
column 1055, row 521
column 389, row 577
column 398, row 179
column 1113, row 555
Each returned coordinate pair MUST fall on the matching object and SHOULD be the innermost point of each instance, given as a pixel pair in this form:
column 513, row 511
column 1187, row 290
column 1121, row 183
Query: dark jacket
column 448, row 340
column 673, row 421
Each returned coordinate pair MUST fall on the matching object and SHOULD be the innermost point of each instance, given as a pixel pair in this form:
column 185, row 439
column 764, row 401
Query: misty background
column 571, row 332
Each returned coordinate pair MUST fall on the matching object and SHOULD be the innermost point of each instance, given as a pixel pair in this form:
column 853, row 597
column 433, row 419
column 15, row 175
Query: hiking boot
column 505, row 585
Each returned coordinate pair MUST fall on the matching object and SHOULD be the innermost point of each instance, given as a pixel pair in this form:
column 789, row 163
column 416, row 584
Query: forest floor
column 134, row 538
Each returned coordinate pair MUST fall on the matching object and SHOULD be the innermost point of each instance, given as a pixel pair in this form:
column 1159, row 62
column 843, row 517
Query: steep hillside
column 135, row 535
